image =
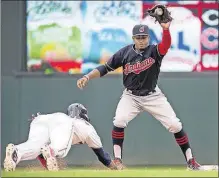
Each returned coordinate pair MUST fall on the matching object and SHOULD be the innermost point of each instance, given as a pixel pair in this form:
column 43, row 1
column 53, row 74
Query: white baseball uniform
column 60, row 132
column 156, row 104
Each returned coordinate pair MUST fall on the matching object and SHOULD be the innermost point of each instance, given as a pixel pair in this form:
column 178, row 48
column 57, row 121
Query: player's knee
column 121, row 120
column 175, row 126
column 120, row 123
column 34, row 145
column 58, row 151
column 61, row 154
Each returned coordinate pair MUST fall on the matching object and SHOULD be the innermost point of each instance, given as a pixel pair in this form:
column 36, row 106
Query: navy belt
column 141, row 92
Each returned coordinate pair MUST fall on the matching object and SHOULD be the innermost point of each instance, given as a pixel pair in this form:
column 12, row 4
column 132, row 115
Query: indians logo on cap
column 141, row 29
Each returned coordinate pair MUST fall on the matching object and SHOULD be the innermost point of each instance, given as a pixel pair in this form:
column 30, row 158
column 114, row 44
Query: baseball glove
column 160, row 13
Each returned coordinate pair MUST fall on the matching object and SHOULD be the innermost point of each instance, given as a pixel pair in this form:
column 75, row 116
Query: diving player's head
column 77, row 110
column 140, row 36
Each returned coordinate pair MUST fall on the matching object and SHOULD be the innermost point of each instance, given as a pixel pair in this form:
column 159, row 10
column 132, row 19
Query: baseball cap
column 140, row 30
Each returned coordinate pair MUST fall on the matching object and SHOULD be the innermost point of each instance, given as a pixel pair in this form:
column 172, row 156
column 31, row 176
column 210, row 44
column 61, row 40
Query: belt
column 141, row 92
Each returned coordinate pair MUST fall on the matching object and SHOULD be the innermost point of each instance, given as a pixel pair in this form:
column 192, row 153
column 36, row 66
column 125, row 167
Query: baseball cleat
column 42, row 161
column 10, row 158
column 51, row 161
column 118, row 163
column 193, row 165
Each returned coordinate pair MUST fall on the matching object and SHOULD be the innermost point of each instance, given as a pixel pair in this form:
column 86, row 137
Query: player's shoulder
column 153, row 45
column 60, row 114
column 81, row 123
column 154, row 49
column 126, row 48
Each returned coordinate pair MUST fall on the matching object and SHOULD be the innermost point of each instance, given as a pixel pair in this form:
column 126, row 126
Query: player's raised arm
column 165, row 44
column 113, row 63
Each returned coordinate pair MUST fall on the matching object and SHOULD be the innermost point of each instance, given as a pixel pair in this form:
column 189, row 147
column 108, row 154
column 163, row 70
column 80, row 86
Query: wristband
column 87, row 77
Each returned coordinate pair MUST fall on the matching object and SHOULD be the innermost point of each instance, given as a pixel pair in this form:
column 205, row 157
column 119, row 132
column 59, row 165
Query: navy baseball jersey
column 140, row 70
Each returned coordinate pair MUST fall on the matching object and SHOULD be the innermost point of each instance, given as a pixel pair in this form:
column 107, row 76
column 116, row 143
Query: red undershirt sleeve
column 165, row 44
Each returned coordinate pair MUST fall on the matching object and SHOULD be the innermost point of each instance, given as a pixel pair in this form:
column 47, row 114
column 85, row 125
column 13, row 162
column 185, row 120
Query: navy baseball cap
column 140, row 30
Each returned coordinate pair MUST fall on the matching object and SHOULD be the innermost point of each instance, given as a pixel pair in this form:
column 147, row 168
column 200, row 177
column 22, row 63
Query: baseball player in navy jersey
column 52, row 135
column 141, row 64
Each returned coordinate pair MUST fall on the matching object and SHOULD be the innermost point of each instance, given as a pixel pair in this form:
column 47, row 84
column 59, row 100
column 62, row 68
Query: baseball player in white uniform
column 51, row 137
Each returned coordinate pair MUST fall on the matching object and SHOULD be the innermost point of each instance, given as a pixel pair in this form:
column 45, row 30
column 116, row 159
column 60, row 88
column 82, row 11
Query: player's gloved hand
column 112, row 166
column 82, row 82
column 160, row 13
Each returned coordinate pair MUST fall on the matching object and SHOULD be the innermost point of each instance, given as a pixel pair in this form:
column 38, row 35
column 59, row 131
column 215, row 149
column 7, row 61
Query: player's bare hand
column 165, row 25
column 82, row 82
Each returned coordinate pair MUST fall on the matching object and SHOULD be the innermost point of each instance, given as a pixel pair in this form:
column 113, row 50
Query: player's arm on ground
column 113, row 63
column 93, row 141
column 164, row 45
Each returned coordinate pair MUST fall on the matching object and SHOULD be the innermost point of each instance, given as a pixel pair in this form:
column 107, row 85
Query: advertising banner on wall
column 77, row 36
column 203, row 34
column 209, row 40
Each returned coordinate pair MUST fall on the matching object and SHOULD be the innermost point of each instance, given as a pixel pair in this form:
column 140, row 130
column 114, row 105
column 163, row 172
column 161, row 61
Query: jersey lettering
column 138, row 67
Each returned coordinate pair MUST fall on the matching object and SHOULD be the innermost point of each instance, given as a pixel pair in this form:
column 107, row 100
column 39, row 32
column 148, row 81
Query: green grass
column 129, row 172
